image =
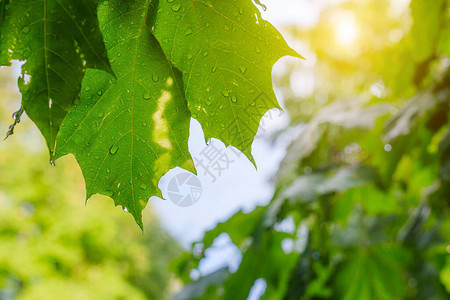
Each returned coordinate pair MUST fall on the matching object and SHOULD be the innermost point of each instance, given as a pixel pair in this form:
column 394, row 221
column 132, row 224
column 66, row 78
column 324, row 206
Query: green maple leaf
column 127, row 133
column 59, row 39
column 226, row 52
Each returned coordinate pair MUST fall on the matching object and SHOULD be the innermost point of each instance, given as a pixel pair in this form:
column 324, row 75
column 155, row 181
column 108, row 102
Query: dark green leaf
column 59, row 39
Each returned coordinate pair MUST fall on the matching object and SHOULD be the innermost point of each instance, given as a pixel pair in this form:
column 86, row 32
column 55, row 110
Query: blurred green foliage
column 361, row 208
column 52, row 246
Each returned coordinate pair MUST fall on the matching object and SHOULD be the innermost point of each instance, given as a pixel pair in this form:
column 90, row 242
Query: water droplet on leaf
column 176, row 7
column 147, row 96
column 113, row 149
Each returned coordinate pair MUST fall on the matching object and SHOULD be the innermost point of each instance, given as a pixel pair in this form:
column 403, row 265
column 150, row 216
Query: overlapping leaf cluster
column 361, row 207
column 116, row 82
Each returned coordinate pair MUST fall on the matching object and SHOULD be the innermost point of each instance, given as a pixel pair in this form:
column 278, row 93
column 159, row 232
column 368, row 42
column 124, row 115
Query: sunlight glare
column 346, row 30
